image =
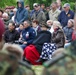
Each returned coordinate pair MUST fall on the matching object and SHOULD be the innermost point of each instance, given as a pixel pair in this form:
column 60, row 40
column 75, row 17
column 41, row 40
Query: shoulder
column 70, row 11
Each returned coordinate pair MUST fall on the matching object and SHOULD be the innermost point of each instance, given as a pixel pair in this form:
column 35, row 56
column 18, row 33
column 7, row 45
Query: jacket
column 21, row 14
column 28, row 35
column 58, row 38
column 54, row 15
column 68, row 33
column 41, row 38
column 63, row 17
column 11, row 36
column 40, row 16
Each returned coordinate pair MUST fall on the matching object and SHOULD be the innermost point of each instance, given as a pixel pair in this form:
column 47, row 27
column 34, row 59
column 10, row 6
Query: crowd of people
column 33, row 37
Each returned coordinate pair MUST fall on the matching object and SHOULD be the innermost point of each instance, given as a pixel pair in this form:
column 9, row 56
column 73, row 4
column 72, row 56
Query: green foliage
column 4, row 3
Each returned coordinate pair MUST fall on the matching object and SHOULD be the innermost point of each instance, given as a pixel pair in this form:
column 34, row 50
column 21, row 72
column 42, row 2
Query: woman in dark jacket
column 58, row 35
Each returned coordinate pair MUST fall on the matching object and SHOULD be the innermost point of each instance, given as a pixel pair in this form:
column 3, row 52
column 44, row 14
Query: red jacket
column 74, row 36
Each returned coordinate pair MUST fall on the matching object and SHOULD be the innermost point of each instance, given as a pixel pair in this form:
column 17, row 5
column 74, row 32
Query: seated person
column 11, row 35
column 68, row 30
column 28, row 34
column 58, row 35
column 35, row 26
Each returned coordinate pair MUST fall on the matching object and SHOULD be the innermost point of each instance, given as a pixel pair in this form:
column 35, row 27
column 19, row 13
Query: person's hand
column 25, row 42
column 66, row 41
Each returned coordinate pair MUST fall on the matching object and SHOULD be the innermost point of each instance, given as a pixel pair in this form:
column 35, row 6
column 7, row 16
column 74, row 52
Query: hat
column 66, row 5
column 44, row 25
column 35, row 4
column 2, row 29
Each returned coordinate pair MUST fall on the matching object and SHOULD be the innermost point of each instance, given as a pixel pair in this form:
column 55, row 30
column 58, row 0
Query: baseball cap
column 66, row 5
column 35, row 4
column 2, row 29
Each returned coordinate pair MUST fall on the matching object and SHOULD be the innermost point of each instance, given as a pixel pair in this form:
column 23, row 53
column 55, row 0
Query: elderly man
column 65, row 15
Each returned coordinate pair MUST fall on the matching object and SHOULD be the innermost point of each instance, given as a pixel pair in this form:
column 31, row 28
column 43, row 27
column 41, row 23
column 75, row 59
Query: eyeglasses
column 64, row 7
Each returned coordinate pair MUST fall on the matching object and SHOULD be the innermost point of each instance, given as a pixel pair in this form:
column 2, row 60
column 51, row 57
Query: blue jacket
column 21, row 14
column 68, row 33
column 28, row 35
column 63, row 17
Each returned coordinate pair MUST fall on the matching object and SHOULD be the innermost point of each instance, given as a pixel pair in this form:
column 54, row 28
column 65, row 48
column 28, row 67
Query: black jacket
column 11, row 36
column 42, row 37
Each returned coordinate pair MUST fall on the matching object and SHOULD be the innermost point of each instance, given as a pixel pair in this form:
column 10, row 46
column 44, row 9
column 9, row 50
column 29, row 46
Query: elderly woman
column 58, row 35
column 68, row 30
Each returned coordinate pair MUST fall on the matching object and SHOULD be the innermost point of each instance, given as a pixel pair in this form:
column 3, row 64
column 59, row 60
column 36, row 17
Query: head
column 44, row 26
column 49, row 23
column 54, row 5
column 56, row 25
column 20, row 4
column 21, row 27
column 5, row 16
column 27, row 7
column 34, row 23
column 14, row 50
column 11, row 26
column 36, row 6
column 2, row 29
column 1, row 12
column 26, row 24
column 47, row 9
column 15, row 54
column 70, row 23
column 43, row 6
column 66, row 7
column 58, row 3
column 14, row 10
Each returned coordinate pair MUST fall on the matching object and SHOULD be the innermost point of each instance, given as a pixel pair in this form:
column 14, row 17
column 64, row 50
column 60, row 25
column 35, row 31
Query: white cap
column 35, row 4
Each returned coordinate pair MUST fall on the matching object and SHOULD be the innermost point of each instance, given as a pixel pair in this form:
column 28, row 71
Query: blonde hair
column 57, row 23
column 15, row 49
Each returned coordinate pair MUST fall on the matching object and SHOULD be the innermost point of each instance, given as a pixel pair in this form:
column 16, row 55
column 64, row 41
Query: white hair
column 5, row 14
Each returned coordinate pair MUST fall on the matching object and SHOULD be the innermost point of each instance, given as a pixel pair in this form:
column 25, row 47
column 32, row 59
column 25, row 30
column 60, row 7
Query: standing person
column 38, row 14
column 54, row 12
column 21, row 14
column 65, row 15
column 14, row 11
column 44, row 10
column 11, row 35
column 2, row 29
column 59, row 4
column 28, row 34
